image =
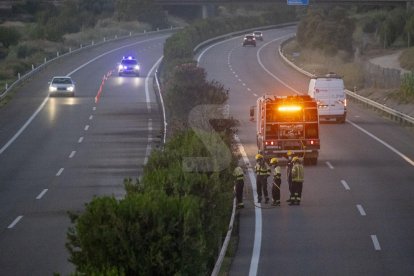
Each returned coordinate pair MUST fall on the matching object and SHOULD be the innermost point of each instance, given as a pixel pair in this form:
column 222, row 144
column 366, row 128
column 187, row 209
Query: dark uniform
column 277, row 181
column 289, row 167
column 238, row 186
column 262, row 173
column 298, row 175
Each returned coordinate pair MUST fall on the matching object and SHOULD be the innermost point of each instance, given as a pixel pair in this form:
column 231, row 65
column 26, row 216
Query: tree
column 329, row 30
column 409, row 30
column 9, row 36
column 188, row 88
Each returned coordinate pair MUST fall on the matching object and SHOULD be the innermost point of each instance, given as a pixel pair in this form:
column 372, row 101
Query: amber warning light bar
column 289, row 108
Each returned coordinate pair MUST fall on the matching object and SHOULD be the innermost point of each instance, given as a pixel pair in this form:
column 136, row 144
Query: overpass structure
column 311, row 2
column 207, row 5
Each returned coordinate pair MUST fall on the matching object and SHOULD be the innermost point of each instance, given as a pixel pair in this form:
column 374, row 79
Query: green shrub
column 9, row 36
column 407, row 85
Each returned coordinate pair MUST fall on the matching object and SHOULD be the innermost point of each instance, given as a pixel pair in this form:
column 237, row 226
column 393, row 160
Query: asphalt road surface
column 356, row 215
column 57, row 153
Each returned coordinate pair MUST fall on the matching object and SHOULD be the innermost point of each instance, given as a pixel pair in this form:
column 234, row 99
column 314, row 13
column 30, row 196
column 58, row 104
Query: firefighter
column 277, row 181
column 289, row 173
column 262, row 172
column 298, row 175
column 239, row 185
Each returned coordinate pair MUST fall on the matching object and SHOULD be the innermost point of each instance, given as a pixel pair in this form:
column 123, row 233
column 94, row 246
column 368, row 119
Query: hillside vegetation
column 342, row 40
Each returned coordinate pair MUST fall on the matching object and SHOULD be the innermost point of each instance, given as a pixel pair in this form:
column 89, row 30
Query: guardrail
column 394, row 114
column 46, row 62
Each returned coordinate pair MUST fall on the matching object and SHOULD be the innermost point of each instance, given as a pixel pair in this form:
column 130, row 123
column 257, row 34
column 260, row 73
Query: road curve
column 58, row 153
column 356, row 216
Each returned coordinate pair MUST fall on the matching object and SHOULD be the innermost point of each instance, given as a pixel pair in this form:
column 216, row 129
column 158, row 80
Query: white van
column 329, row 92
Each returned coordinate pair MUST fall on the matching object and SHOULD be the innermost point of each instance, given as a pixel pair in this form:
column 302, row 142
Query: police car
column 128, row 65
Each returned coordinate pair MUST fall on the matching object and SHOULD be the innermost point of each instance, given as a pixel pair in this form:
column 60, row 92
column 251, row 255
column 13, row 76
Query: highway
column 57, row 153
column 356, row 216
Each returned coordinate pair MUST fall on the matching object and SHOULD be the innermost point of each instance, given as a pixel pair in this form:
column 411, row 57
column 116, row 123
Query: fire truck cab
column 288, row 123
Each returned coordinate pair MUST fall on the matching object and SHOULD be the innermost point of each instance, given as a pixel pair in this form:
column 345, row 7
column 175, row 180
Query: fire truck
column 287, row 123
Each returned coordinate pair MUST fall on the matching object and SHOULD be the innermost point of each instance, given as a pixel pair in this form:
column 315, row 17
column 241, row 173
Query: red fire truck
column 288, row 123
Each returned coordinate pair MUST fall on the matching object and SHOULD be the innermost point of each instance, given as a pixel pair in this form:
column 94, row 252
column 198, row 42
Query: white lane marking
column 91, row 117
column 361, row 210
column 254, row 94
column 80, row 140
column 268, row 71
column 147, row 153
column 42, row 194
column 24, row 126
column 94, row 108
column 375, row 242
column 148, row 150
column 72, row 154
column 147, row 97
column 248, row 89
column 15, row 221
column 236, row 75
column 345, row 185
column 329, row 165
column 86, row 127
column 211, row 46
column 403, row 156
column 60, row 172
column 243, row 84
column 254, row 262
column 47, row 97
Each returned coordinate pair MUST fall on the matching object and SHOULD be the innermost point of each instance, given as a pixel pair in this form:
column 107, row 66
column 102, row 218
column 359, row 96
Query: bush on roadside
column 407, row 86
column 406, row 59
column 9, row 36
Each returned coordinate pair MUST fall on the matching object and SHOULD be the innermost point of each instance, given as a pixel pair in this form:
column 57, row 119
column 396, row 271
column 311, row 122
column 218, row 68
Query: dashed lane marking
column 15, row 222
column 42, row 194
column 329, row 165
column 375, row 242
column 60, row 172
column 72, row 154
column 80, row 140
column 346, row 186
column 361, row 210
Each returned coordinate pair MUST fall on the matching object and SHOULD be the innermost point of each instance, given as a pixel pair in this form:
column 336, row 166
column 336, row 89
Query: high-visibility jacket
column 298, row 173
column 238, row 173
column 261, row 169
column 277, row 173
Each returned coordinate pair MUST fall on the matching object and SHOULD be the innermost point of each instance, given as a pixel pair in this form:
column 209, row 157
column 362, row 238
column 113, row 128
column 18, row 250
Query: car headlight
column 120, row 67
column 71, row 88
column 136, row 67
column 52, row 88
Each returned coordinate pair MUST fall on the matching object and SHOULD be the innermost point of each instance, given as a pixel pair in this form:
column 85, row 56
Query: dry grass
column 317, row 63
column 407, row 59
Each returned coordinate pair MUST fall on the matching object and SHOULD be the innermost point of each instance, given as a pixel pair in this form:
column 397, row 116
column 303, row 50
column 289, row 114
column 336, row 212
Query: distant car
column 62, row 85
column 128, row 65
column 258, row 35
column 249, row 40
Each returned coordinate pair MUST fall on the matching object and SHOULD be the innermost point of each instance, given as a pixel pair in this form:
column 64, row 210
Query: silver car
column 62, row 85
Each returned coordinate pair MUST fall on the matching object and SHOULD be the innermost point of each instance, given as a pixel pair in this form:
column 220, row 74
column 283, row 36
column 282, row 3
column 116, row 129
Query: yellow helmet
column 259, row 156
column 295, row 159
column 289, row 153
column 273, row 160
